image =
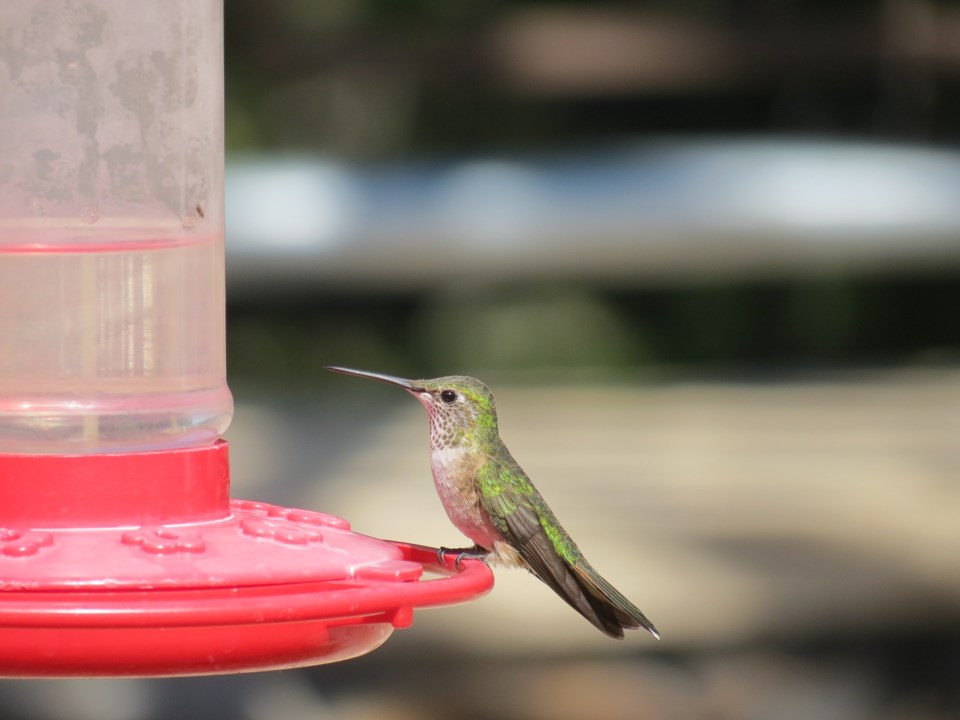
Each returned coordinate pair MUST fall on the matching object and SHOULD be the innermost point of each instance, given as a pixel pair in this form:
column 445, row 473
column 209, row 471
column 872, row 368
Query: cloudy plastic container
column 111, row 226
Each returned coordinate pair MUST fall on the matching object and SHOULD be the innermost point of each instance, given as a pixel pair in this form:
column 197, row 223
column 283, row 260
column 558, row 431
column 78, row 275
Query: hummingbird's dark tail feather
column 573, row 579
column 587, row 592
column 611, row 611
column 529, row 527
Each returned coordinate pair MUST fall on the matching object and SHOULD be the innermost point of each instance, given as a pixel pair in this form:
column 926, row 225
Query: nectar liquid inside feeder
column 121, row 552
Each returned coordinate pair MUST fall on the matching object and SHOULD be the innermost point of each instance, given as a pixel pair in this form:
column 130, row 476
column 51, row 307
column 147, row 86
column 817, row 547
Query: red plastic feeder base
column 138, row 564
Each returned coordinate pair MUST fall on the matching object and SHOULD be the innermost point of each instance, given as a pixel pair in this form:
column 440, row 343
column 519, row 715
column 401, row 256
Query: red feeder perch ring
column 140, row 564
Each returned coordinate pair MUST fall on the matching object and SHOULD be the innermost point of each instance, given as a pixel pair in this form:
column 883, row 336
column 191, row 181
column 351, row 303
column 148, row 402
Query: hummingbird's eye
column 448, row 396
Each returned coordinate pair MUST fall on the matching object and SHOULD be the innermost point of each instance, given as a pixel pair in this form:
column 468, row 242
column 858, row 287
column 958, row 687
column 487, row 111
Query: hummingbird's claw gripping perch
column 471, row 553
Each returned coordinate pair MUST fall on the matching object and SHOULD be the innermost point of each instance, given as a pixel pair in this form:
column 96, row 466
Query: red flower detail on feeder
column 309, row 517
column 279, row 530
column 163, row 541
column 17, row 543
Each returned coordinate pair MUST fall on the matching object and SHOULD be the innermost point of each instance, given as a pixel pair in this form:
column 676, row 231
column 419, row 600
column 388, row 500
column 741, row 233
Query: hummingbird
column 492, row 501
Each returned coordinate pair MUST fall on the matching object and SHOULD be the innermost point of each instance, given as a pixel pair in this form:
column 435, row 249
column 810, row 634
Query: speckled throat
column 448, row 428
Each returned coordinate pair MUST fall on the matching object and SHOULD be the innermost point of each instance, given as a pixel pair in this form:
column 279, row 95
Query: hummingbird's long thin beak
column 390, row 379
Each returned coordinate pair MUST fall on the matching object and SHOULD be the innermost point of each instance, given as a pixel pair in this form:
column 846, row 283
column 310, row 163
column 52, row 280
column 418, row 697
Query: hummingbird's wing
column 521, row 515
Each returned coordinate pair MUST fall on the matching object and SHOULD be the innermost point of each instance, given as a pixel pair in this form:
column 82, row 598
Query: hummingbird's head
column 461, row 408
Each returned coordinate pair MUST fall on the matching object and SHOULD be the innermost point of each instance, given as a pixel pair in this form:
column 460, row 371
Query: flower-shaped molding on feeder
column 140, row 564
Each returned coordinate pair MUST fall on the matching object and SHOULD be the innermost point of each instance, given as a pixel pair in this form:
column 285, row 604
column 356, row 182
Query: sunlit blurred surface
column 658, row 211
column 785, row 536
column 731, row 512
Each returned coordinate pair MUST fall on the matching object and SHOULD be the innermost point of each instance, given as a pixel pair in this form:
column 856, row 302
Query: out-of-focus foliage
column 370, row 80
column 578, row 331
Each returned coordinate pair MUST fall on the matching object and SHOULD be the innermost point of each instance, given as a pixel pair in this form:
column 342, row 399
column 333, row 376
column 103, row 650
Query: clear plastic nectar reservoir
column 111, row 226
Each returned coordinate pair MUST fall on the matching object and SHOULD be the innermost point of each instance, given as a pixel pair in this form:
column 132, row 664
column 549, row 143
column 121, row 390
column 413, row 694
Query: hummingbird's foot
column 471, row 553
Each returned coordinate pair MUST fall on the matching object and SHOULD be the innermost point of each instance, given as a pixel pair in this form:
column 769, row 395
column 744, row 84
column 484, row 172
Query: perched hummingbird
column 491, row 500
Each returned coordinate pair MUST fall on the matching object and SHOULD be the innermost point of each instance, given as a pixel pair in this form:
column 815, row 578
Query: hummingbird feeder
column 121, row 551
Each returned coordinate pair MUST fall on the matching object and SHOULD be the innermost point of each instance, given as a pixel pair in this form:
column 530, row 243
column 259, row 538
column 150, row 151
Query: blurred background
column 707, row 255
